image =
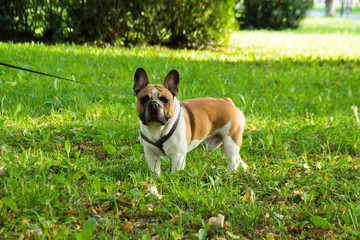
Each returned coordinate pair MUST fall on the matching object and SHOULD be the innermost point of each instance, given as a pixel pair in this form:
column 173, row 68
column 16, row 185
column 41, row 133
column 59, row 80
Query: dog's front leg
column 177, row 162
column 153, row 160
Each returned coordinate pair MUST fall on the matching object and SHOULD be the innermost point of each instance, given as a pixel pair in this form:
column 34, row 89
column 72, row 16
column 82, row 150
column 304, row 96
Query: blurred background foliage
column 175, row 23
column 274, row 14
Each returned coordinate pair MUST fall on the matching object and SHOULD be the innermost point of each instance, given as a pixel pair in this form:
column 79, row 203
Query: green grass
column 72, row 165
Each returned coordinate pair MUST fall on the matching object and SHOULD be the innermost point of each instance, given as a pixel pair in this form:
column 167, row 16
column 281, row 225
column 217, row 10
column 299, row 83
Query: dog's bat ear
column 171, row 82
column 141, row 80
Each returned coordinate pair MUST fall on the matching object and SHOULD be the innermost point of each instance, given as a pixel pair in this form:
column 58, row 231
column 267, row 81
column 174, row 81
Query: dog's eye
column 164, row 100
column 144, row 99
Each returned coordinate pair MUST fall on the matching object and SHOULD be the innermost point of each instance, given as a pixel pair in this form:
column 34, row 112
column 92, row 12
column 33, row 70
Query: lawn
column 71, row 164
column 355, row 9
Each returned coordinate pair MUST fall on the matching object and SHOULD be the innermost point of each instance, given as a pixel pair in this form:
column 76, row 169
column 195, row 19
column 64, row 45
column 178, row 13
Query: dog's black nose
column 153, row 106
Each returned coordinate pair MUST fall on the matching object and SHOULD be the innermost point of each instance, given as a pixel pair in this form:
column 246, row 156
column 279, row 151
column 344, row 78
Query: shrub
column 273, row 14
column 200, row 22
column 180, row 23
column 23, row 19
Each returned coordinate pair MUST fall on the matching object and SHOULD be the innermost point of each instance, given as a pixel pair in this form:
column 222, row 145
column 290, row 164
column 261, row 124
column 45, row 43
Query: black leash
column 67, row 79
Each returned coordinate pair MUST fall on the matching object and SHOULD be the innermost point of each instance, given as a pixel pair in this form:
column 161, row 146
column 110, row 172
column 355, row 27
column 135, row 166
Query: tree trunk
column 330, row 8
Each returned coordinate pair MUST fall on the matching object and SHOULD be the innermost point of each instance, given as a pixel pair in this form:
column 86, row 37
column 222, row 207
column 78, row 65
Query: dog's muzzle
column 153, row 107
column 154, row 112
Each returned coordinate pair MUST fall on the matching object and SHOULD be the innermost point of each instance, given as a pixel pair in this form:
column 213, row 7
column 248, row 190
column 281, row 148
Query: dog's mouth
column 153, row 118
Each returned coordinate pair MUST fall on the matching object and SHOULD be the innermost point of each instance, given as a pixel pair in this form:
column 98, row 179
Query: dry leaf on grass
column 175, row 218
column 233, row 236
column 227, row 226
column 93, row 210
column 31, row 232
column 152, row 190
column 2, row 171
column 150, row 207
column 71, row 212
column 217, row 221
column 4, row 149
column 298, row 193
column 126, row 227
column 105, row 204
column 249, row 196
column 219, row 238
column 271, row 236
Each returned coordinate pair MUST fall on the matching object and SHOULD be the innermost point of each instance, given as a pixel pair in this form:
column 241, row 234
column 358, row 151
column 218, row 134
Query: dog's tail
column 241, row 116
column 229, row 100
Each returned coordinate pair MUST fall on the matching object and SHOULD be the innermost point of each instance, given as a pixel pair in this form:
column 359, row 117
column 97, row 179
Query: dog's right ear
column 141, row 80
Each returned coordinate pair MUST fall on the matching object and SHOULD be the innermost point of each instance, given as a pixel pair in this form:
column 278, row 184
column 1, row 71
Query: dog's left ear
column 171, row 82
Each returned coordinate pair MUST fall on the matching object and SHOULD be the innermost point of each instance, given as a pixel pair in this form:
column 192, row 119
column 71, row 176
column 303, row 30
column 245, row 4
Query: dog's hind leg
column 231, row 150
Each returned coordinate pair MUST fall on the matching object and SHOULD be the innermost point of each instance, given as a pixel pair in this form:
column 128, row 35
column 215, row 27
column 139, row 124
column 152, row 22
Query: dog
column 173, row 128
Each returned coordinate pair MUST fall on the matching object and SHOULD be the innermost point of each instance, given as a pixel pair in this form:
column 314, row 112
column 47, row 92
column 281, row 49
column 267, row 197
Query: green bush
column 179, row 23
column 29, row 19
column 273, row 14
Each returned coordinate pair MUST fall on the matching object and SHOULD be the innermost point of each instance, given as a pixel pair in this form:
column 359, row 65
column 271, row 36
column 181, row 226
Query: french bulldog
column 173, row 128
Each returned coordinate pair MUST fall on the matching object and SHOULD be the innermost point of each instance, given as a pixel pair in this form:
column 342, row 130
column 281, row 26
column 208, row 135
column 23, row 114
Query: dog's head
column 155, row 103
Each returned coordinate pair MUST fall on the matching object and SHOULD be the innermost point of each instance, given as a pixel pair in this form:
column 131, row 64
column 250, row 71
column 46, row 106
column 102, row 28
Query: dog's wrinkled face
column 155, row 103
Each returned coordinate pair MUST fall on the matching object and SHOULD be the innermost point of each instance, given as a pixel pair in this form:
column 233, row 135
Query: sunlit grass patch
column 330, row 25
column 317, row 38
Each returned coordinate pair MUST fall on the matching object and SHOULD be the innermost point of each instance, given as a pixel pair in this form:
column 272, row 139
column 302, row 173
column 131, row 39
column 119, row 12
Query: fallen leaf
column 156, row 237
column 152, row 190
column 31, row 232
column 4, row 149
column 226, row 226
column 2, row 171
column 270, row 236
column 233, row 236
column 298, row 193
column 175, row 218
column 306, row 166
column 121, row 200
column 93, row 211
column 217, row 221
column 126, row 227
column 150, row 207
column 299, row 215
column 26, row 222
column 279, row 216
column 249, row 196
column 71, row 212
column 105, row 204
column 219, row 238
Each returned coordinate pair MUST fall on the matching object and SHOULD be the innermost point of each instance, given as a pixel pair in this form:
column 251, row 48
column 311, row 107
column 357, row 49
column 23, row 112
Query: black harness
column 159, row 143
